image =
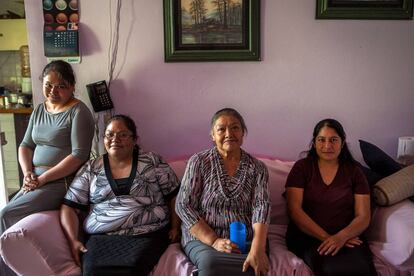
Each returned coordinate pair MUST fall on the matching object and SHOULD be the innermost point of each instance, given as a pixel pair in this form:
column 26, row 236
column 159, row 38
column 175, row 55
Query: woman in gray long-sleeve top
column 222, row 185
column 57, row 142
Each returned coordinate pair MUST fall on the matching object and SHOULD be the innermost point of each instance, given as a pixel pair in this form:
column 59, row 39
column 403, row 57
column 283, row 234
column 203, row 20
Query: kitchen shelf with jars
column 16, row 83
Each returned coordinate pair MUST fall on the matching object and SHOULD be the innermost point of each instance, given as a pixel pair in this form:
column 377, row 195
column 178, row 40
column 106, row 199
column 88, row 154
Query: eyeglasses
column 333, row 140
column 50, row 86
column 120, row 135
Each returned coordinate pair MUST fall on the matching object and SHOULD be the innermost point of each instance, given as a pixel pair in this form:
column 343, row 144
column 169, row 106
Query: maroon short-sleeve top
column 330, row 206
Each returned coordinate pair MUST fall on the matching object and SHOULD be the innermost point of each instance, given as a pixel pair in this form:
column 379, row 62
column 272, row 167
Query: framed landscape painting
column 364, row 9
column 211, row 30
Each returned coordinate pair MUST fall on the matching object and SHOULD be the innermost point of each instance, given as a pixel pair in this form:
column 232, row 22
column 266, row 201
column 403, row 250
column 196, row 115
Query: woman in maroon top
column 329, row 206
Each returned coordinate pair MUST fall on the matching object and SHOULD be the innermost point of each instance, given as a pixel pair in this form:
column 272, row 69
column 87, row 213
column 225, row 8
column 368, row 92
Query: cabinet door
column 21, row 120
column 3, row 188
column 10, row 153
column 13, row 34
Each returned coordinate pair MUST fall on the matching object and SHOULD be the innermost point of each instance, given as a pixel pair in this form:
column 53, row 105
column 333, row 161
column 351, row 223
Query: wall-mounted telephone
column 99, row 95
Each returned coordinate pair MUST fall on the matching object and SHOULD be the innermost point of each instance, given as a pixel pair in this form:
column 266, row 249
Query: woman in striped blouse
column 222, row 185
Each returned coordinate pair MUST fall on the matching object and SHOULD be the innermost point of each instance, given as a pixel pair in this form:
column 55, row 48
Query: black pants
column 5, row 270
column 347, row 262
column 123, row 255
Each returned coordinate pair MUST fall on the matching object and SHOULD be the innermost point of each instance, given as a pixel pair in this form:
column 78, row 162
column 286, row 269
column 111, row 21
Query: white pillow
column 390, row 234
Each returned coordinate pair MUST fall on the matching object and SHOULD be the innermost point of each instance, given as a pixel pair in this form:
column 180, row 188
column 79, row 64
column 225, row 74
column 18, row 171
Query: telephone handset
column 99, row 95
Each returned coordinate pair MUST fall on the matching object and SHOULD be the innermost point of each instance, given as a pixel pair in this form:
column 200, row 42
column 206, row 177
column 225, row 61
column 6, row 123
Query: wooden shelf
column 17, row 110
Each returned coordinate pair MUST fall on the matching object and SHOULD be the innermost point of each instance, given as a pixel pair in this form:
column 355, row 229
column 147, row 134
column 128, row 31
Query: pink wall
column 359, row 72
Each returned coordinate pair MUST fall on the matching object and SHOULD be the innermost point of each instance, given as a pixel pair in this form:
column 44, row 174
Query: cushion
column 395, row 187
column 173, row 262
column 178, row 166
column 372, row 177
column 378, row 160
column 282, row 261
column 390, row 234
column 278, row 172
column 38, row 239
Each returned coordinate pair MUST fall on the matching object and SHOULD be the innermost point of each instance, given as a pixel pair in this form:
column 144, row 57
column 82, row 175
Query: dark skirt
column 347, row 262
column 124, row 255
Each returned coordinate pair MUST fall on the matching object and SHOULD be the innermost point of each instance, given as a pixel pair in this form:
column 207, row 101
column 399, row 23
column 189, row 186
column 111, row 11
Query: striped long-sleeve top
column 208, row 192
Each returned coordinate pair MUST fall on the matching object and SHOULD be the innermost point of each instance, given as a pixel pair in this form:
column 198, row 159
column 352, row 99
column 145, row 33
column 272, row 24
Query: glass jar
column 25, row 61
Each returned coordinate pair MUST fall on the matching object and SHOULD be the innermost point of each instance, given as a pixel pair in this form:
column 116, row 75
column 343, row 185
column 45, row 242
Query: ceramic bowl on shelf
column 13, row 98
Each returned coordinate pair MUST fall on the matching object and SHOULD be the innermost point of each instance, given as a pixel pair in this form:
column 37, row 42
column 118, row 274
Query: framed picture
column 211, row 30
column 364, row 9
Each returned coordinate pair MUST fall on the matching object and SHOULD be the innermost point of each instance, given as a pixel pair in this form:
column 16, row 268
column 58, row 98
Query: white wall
column 359, row 72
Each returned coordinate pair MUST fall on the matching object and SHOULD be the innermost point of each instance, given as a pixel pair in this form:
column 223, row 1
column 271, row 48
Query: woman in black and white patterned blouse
column 127, row 194
column 222, row 185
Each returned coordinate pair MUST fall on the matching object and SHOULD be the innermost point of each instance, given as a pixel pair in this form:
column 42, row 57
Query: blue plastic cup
column 238, row 235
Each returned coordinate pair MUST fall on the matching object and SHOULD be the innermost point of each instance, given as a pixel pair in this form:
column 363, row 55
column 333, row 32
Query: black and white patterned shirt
column 208, row 192
column 144, row 209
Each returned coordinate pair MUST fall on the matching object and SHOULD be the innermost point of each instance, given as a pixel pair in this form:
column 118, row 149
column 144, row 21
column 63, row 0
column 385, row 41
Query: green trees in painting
column 211, row 21
column 198, row 11
column 229, row 12
column 214, row 12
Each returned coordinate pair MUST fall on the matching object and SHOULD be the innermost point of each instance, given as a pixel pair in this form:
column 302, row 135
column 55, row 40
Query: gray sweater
column 52, row 137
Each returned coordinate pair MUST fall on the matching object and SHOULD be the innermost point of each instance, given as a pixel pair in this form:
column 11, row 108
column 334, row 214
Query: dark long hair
column 345, row 156
column 63, row 70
